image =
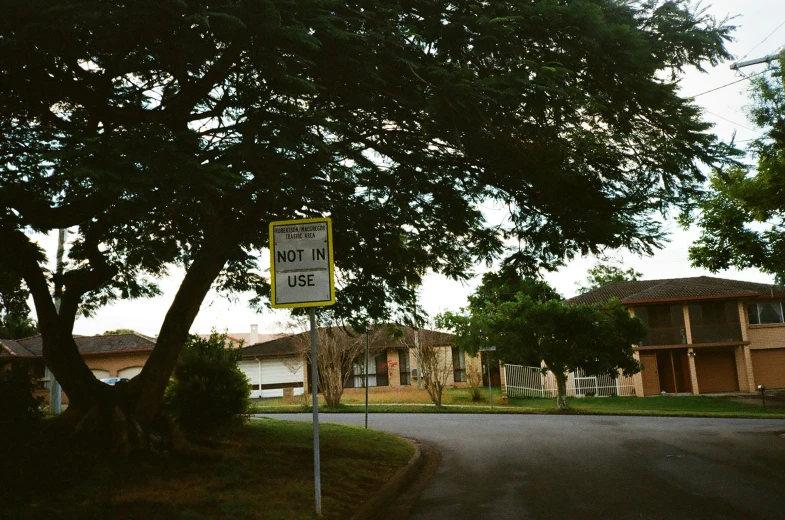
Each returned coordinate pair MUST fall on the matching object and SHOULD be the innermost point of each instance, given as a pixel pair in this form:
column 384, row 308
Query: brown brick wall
column 394, row 367
column 767, row 336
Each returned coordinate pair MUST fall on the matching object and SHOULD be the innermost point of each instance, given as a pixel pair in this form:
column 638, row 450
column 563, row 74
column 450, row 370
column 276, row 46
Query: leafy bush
column 18, row 406
column 207, row 390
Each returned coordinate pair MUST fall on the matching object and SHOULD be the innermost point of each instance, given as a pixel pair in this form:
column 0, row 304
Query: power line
column 731, row 122
column 729, row 84
column 763, row 40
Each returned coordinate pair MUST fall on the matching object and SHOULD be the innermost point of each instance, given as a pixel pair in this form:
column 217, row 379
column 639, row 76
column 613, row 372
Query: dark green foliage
column 603, row 274
column 207, row 390
column 395, row 119
column 742, row 216
column 14, row 313
column 18, row 406
column 506, row 284
column 15, row 326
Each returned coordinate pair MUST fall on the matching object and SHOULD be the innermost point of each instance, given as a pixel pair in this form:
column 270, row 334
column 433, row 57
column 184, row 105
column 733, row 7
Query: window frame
column 459, row 371
column 757, row 306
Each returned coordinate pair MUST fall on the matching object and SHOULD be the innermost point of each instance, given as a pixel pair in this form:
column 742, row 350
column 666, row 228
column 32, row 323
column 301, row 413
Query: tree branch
column 181, row 104
column 38, row 213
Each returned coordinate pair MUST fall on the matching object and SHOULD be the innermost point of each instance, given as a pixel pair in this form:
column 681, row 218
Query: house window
column 715, row 322
column 381, row 370
column 768, row 312
column 359, row 375
column 665, row 324
column 459, row 365
column 403, row 365
column 376, row 370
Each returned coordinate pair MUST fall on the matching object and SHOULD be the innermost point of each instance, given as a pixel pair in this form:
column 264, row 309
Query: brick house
column 279, row 367
column 706, row 334
column 116, row 355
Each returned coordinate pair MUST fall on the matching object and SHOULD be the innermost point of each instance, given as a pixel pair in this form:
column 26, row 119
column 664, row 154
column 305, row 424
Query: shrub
column 18, row 406
column 207, row 389
column 474, row 380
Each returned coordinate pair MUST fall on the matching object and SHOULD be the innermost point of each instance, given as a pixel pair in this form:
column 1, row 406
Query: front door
column 674, row 371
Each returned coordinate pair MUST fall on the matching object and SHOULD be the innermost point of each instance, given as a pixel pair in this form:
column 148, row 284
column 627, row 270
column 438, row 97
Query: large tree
column 742, row 215
column 595, row 338
column 172, row 132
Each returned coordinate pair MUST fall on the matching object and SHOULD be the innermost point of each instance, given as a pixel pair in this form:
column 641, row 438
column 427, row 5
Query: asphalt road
column 586, row 467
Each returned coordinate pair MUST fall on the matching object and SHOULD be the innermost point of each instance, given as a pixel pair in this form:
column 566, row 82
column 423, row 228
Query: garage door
column 100, row 374
column 716, row 372
column 769, row 367
column 274, row 375
column 129, row 372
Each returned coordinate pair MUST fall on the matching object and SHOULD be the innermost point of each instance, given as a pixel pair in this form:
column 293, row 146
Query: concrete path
column 591, row 467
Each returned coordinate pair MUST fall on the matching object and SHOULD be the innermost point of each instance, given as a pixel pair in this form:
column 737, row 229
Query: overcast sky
column 761, row 31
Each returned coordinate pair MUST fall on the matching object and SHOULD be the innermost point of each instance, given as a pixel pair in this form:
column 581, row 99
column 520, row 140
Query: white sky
column 725, row 107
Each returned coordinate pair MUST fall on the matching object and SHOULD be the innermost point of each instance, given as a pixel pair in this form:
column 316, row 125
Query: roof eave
column 691, row 298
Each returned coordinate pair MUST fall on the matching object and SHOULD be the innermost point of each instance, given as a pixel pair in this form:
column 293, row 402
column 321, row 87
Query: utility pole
column 55, row 392
column 417, row 345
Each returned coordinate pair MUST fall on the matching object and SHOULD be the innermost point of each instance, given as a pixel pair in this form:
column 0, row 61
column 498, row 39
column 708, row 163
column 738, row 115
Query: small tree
column 595, row 338
column 474, row 381
column 207, row 389
column 436, row 368
column 435, row 362
column 337, row 348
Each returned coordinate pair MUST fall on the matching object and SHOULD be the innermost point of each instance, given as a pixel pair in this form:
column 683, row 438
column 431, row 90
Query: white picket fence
column 522, row 381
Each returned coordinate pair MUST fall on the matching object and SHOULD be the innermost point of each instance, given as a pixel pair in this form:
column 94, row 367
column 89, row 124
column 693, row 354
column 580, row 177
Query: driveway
column 590, row 467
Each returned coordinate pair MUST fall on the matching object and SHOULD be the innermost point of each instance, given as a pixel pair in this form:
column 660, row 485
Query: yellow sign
column 301, row 263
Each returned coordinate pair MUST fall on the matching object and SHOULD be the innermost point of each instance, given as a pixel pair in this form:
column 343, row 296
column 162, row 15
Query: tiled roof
column 245, row 337
column 295, row 343
column 12, row 349
column 234, row 339
column 97, row 344
column 679, row 289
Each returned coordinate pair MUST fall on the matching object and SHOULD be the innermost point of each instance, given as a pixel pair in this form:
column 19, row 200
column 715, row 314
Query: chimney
column 254, row 334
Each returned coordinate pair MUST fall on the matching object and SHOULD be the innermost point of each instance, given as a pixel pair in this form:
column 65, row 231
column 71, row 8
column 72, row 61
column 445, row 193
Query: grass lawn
column 263, row 469
column 458, row 400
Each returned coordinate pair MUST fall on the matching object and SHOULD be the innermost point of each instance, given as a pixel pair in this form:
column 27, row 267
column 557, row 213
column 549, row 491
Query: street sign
column 487, row 349
column 301, row 263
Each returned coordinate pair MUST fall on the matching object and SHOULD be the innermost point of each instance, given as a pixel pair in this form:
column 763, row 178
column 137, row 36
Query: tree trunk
column 151, row 383
column 561, row 390
column 117, row 415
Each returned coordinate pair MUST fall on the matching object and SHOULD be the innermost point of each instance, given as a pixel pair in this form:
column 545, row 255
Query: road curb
column 393, row 487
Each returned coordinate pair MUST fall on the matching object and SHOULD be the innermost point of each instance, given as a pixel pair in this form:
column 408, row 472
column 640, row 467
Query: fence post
column 503, row 383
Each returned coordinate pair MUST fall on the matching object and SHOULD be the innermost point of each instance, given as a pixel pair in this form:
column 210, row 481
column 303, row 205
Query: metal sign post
column 367, row 347
column 301, row 267
column 317, row 464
